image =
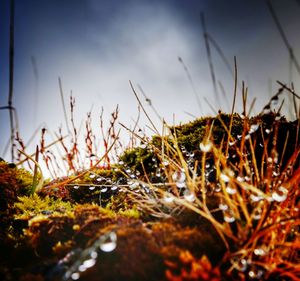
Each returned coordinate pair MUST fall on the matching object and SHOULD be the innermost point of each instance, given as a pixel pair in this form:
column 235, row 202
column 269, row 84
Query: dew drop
column 255, row 274
column 224, row 177
column 255, row 198
column 94, row 254
column 165, row 163
column 240, row 179
column 121, row 162
column 189, row 196
column 76, row 186
column 268, row 131
column 92, row 187
column 133, row 184
column 179, row 176
column 253, row 128
column 280, row 194
column 92, row 176
column 168, row 198
column 180, row 184
column 240, row 264
column 205, row 146
column 257, row 213
column 114, row 187
column 223, row 206
column 259, row 252
column 75, row 276
column 109, row 243
column 89, row 263
column 103, row 189
column 228, row 217
column 231, row 143
column 230, row 190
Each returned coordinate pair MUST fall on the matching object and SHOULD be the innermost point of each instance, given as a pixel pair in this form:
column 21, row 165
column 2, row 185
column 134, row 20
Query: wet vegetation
column 213, row 199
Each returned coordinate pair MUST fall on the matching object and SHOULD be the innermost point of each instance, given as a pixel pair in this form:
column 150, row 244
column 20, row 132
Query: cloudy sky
column 97, row 46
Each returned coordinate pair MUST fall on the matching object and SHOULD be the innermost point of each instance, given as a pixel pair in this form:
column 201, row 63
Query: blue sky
column 96, row 47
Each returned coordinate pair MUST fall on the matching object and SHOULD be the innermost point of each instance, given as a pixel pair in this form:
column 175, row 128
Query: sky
column 97, row 46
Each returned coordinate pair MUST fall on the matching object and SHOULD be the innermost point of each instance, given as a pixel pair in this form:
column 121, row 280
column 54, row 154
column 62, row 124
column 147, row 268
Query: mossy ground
column 40, row 232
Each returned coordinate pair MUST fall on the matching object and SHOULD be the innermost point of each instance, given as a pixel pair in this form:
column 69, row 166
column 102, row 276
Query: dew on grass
column 92, row 176
column 228, row 216
column 109, row 242
column 92, row 187
column 280, row 194
column 253, row 128
column 179, row 176
column 205, row 146
column 168, row 198
column 257, row 213
column 114, row 187
column 230, row 190
column 103, row 189
column 223, row 206
column 76, row 186
column 75, row 276
column 189, row 196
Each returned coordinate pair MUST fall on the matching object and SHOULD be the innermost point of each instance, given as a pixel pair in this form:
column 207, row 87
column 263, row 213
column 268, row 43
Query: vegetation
column 214, row 199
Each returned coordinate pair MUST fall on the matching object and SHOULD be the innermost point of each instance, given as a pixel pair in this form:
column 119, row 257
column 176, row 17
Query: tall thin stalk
column 11, row 76
column 209, row 57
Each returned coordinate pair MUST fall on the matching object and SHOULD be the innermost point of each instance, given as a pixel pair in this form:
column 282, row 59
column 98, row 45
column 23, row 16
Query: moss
column 30, row 206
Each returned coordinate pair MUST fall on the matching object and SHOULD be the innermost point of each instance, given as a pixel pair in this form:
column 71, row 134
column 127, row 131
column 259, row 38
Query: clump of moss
column 34, row 205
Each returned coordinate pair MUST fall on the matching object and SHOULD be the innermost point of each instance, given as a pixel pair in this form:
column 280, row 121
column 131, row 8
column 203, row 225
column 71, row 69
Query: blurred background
column 96, row 47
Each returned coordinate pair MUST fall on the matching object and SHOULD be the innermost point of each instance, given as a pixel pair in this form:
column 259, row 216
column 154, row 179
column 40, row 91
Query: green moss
column 30, row 206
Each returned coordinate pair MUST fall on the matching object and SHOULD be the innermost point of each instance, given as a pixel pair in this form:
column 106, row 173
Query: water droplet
column 100, row 179
column 121, row 162
column 240, row 179
column 94, row 254
column 228, row 217
column 189, row 196
column 76, row 186
column 168, row 198
column 255, row 274
column 114, row 187
column 128, row 171
column 75, row 276
column 181, row 184
column 257, row 213
column 89, row 263
column 240, row 264
column 261, row 144
column 247, row 137
column 92, row 187
column 103, row 189
column 253, row 128
column 109, row 243
column 255, row 198
column 206, row 146
column 280, row 194
column 223, row 206
column 230, row 190
column 165, row 163
column 133, row 184
column 224, row 177
column 239, row 137
column 207, row 165
column 268, row 131
column 179, row 176
column 231, row 143
column 259, row 252
column 218, row 187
